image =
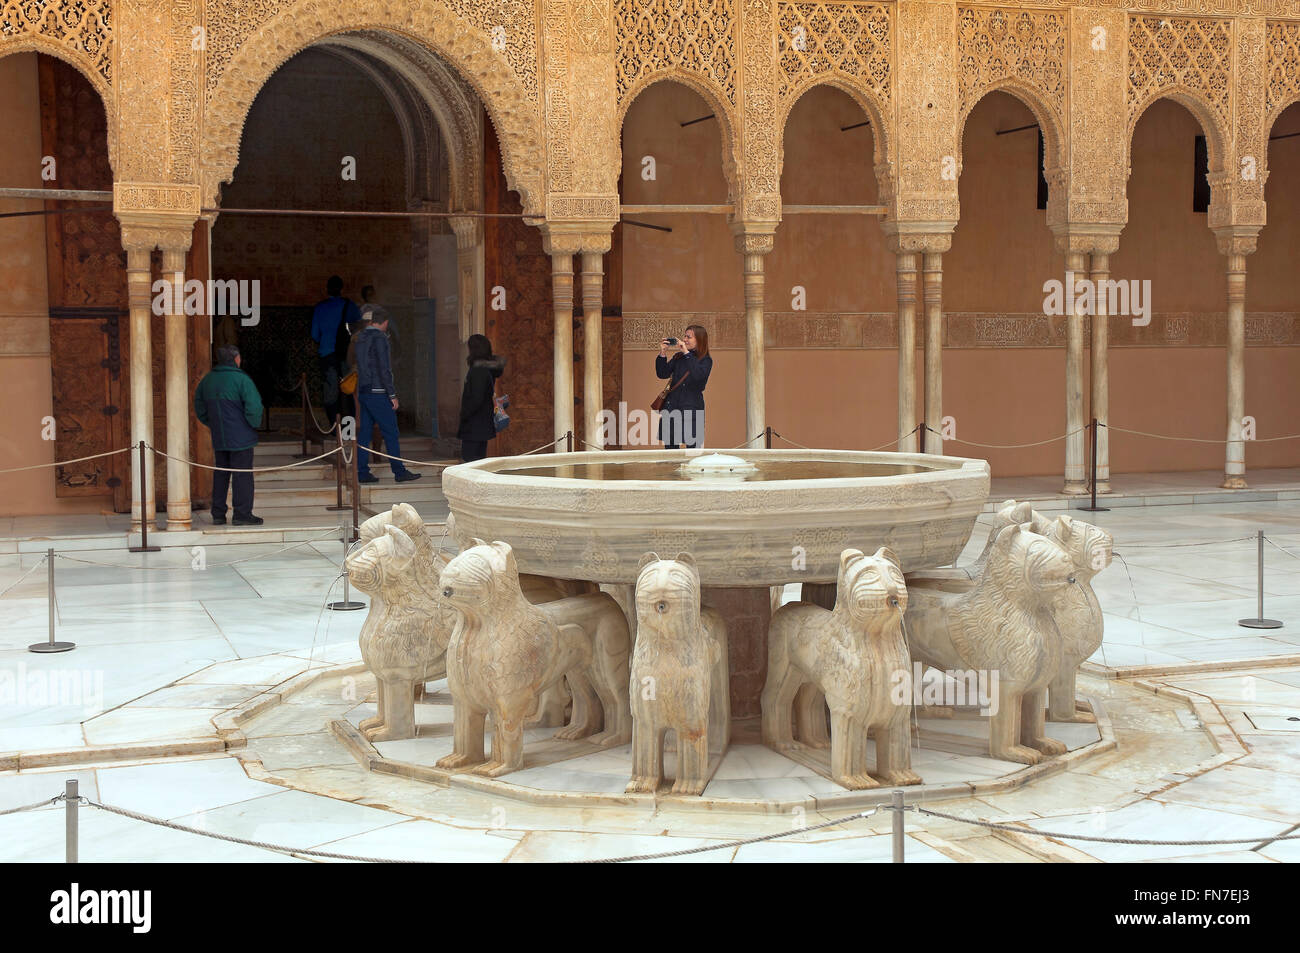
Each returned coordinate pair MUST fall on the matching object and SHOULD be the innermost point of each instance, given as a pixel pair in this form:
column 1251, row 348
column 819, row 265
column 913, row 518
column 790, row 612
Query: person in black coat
column 477, row 425
column 681, row 420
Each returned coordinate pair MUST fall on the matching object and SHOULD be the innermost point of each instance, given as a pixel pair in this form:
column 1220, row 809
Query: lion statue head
column 1090, row 547
column 870, row 588
column 482, row 576
column 668, row 593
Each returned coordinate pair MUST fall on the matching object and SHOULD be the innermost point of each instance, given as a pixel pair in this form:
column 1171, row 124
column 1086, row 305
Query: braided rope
column 729, row 844
column 19, row 580
column 1007, row 446
column 1159, row 436
column 233, row 562
column 48, row 802
column 66, row 463
column 1104, row 840
column 278, row 848
column 283, row 466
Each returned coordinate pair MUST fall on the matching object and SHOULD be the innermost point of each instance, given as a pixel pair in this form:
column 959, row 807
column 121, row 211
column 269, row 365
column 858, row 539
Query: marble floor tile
column 175, row 788
column 292, row 819
column 427, row 842
column 126, row 725
column 300, row 751
column 1252, row 791
column 878, row 849
column 553, row 846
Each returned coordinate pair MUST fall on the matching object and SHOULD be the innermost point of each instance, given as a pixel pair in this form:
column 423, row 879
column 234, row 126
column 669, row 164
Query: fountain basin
column 594, row 515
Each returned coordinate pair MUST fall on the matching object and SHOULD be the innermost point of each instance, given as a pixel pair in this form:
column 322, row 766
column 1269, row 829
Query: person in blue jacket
column 681, row 419
column 228, row 404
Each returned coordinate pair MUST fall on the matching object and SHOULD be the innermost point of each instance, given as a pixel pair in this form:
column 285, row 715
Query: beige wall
column 24, row 307
column 1002, row 252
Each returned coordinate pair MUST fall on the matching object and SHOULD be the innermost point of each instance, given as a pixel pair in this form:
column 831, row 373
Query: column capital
column 468, row 230
column 924, row 237
column 1087, row 238
column 1236, row 239
column 572, row 238
column 146, row 235
column 754, row 238
column 156, row 213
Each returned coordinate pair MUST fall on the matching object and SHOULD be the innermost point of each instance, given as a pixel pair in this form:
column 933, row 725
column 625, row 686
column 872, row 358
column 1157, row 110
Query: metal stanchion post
column 920, row 435
column 1092, row 507
column 348, row 604
column 306, row 414
column 897, row 807
column 767, row 438
column 338, row 470
column 145, row 518
column 568, row 441
column 1259, row 622
column 71, row 799
column 356, row 494
column 45, row 648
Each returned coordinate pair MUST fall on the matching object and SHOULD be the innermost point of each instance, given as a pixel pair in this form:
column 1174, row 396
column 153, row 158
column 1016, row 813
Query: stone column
column 1076, row 471
column 932, row 278
column 1100, row 370
column 469, row 274
column 754, row 242
column 178, row 386
column 139, row 249
column 562, row 309
column 593, row 394
column 908, row 439
column 1236, row 243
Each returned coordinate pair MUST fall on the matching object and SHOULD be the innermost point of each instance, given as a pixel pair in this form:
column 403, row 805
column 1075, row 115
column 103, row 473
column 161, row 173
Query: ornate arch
column 98, row 81
column 881, row 140
column 1048, row 119
column 433, row 26
column 1217, row 138
column 714, row 98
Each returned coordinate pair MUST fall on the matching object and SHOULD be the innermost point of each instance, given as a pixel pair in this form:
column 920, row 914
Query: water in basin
column 669, row 470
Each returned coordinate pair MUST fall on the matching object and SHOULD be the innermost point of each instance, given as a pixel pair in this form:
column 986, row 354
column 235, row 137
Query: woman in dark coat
column 681, row 420
column 476, row 407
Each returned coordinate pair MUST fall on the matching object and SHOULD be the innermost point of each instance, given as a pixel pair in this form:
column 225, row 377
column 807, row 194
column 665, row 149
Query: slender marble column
column 755, row 352
column 1100, row 379
column 178, row 392
column 1234, row 467
column 562, row 309
column 1076, row 482
column 932, row 278
column 593, row 398
column 908, row 440
column 139, row 300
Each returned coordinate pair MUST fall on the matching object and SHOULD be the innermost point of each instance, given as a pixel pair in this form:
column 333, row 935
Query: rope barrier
column 283, row 466
column 419, row 463
column 233, row 562
column 66, row 463
column 729, row 845
column 17, row 582
column 1005, row 446
column 278, row 848
column 545, row 445
column 750, row 440
column 1208, row 542
column 48, row 802
column 1283, row 549
column 1158, row 436
column 1101, row 840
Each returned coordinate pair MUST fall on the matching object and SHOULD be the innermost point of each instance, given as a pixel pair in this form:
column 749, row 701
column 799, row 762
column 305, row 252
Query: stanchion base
column 144, row 549
column 1260, row 623
column 1093, row 509
column 345, row 606
column 335, row 509
column 45, row 648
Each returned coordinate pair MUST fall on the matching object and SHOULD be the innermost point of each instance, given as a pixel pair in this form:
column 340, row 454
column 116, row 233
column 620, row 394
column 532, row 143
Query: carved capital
column 468, row 230
column 1087, row 238
column 931, row 237
column 145, row 236
column 575, row 238
column 754, row 238
column 1236, row 239
column 585, row 208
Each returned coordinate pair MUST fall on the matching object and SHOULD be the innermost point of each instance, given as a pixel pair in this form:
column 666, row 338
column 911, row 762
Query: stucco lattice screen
column 824, row 39
column 1187, row 53
column 83, row 26
column 994, row 46
column 1283, row 41
column 232, row 22
column 698, row 36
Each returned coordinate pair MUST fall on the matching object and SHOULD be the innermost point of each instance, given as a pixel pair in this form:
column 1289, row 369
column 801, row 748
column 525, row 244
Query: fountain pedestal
column 747, row 612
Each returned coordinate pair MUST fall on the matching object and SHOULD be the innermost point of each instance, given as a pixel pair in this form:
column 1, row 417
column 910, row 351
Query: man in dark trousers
column 377, row 397
column 227, row 403
column 331, row 321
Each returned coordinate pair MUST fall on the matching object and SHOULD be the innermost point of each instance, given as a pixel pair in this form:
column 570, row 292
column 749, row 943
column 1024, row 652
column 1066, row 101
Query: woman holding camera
column 681, row 418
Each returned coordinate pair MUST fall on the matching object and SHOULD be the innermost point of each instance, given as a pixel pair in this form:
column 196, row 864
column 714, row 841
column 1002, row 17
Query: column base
column 179, row 525
column 1232, row 482
column 1075, row 488
column 1103, row 486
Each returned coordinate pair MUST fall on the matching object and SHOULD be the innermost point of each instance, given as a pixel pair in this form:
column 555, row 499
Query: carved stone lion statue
column 404, row 637
column 849, row 657
column 505, row 653
column 1004, row 623
column 1076, row 609
column 680, row 676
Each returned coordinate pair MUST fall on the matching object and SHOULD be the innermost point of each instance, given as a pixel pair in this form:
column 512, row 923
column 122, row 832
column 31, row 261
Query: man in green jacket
column 227, row 403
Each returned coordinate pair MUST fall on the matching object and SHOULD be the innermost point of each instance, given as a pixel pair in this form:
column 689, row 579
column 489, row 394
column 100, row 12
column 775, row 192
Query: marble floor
column 165, row 650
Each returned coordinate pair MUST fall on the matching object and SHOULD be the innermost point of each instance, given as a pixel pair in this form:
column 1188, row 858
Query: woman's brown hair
column 701, row 341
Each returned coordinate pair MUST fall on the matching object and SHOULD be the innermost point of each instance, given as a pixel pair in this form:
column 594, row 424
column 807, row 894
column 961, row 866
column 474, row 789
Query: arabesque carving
column 80, row 32
column 694, row 36
column 1189, row 57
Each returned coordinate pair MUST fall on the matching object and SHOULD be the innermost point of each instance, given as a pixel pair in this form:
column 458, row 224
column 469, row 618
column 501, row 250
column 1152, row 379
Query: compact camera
column 672, row 342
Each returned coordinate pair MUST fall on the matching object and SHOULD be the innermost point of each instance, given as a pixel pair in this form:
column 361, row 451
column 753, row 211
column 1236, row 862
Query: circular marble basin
column 594, row 515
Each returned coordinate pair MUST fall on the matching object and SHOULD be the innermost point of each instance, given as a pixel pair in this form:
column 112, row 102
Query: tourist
column 477, row 408
column 377, row 398
column 331, row 321
column 227, row 403
column 681, row 419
